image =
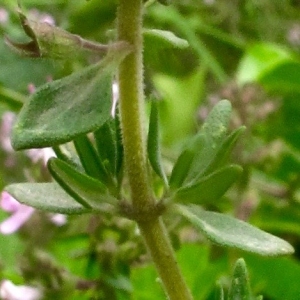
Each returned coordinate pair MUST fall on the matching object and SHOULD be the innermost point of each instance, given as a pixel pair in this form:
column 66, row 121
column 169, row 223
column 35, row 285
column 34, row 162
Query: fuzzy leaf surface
column 214, row 131
column 85, row 189
column 184, row 161
column 211, row 187
column 240, row 287
column 46, row 196
column 223, row 153
column 203, row 149
column 228, row 231
column 63, row 109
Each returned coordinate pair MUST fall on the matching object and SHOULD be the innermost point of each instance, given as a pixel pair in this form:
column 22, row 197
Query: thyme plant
column 115, row 160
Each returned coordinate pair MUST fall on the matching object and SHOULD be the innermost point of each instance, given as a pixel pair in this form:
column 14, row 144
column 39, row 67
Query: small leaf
column 106, row 142
column 66, row 152
column 183, row 164
column 201, row 150
column 63, row 109
column 214, row 130
column 240, row 287
column 85, row 189
column 46, row 196
column 163, row 39
column 209, row 188
column 89, row 158
column 227, row 231
column 153, row 143
column 221, row 156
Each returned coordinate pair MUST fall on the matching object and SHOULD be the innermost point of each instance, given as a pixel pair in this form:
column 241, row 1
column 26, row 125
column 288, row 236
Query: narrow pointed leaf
column 153, row 147
column 240, row 287
column 63, row 109
column 46, row 196
column 106, row 142
column 85, row 189
column 67, row 154
column 209, row 188
column 227, row 231
column 184, row 161
column 89, row 158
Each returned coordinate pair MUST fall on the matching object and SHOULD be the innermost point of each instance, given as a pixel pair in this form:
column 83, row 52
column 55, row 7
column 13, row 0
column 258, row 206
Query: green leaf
column 200, row 152
column 46, row 196
column 63, row 109
column 89, row 158
column 214, row 130
column 156, row 38
column 106, row 139
column 153, row 145
column 240, row 287
column 67, row 153
column 209, row 188
column 227, row 231
column 184, row 161
column 86, row 190
column 223, row 153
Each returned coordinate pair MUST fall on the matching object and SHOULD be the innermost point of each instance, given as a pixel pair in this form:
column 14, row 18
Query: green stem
column 131, row 98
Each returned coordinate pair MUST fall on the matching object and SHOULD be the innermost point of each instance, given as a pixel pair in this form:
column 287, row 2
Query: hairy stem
column 130, row 78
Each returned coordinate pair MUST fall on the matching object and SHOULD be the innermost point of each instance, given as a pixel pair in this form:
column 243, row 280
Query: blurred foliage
column 246, row 51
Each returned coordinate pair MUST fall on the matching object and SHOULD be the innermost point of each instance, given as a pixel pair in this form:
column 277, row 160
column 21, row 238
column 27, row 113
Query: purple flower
column 10, row 291
column 20, row 214
column 41, row 17
column 8, row 119
column 3, row 16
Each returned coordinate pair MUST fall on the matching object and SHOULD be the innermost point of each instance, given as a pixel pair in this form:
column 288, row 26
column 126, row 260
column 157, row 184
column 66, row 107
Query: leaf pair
column 75, row 193
column 200, row 174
